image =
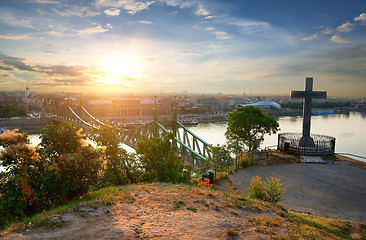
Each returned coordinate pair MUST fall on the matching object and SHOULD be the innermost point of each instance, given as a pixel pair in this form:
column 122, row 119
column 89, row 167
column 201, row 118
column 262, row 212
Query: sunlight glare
column 118, row 69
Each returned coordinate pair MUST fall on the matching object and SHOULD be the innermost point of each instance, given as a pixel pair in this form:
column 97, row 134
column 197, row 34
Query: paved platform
column 332, row 191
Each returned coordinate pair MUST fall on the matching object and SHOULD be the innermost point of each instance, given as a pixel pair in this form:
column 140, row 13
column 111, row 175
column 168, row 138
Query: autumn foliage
column 38, row 178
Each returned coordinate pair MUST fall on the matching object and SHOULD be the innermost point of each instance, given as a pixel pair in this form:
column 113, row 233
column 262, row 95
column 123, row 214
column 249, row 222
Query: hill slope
column 166, row 211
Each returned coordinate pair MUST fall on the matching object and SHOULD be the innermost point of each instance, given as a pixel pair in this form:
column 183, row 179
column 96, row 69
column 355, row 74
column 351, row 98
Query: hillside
column 166, row 211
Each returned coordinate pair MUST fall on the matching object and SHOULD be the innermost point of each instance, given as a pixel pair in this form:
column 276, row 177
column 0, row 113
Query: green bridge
column 192, row 148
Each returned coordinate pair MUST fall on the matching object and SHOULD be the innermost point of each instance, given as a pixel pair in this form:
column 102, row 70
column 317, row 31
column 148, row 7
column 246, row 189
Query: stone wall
column 273, row 157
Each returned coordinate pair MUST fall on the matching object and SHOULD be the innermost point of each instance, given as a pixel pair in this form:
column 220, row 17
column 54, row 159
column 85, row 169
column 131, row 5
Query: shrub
column 160, row 162
column 245, row 160
column 270, row 191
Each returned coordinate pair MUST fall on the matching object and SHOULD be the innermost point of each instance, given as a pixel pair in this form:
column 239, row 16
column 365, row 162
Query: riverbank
column 25, row 124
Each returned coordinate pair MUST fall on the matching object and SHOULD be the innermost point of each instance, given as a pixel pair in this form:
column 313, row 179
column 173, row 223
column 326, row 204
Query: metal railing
column 226, row 167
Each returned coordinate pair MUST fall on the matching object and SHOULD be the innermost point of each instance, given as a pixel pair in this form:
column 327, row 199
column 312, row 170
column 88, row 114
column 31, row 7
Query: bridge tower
column 175, row 118
column 155, row 119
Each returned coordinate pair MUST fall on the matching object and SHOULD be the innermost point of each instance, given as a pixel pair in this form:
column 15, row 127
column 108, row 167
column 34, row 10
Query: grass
column 192, row 209
column 176, row 204
column 47, row 222
column 231, row 232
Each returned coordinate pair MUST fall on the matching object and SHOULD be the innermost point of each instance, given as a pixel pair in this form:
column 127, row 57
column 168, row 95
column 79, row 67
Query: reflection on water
column 348, row 129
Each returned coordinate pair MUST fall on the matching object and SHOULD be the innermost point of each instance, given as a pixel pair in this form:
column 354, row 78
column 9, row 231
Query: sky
column 199, row 46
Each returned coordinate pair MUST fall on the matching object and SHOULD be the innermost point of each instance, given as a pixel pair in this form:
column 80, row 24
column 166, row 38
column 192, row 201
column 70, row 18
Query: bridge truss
column 189, row 146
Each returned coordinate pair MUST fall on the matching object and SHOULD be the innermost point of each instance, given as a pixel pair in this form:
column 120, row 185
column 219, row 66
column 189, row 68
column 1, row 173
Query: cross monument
column 308, row 95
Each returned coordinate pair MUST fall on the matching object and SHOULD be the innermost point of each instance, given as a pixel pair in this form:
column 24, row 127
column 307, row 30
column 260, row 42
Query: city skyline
column 177, row 45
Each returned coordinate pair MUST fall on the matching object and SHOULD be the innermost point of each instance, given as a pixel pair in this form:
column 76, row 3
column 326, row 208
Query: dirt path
column 156, row 213
column 332, row 191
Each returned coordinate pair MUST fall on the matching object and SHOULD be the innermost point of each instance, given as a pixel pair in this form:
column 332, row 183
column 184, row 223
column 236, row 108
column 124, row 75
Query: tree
column 247, row 126
column 160, row 162
column 74, row 164
column 121, row 166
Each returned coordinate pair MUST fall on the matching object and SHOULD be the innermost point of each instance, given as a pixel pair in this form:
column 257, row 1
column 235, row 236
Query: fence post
column 236, row 164
column 215, row 172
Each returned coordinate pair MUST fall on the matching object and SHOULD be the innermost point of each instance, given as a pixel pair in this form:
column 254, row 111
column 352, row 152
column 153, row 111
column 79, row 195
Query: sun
column 119, row 69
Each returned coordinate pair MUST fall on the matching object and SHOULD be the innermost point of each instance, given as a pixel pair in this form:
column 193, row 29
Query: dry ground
column 164, row 211
column 332, row 191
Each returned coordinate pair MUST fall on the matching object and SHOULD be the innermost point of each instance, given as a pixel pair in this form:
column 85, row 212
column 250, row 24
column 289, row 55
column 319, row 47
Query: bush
column 120, row 166
column 160, row 162
column 270, row 191
column 245, row 160
column 36, row 179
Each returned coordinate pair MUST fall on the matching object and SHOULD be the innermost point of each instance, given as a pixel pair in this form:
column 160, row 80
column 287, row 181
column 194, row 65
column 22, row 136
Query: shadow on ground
column 332, row 191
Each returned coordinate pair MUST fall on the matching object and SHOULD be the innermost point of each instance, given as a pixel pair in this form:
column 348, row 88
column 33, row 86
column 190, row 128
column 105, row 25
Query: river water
column 348, row 129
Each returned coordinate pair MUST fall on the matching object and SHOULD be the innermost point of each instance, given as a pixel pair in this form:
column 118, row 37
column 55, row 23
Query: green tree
column 121, row 166
column 247, row 126
column 159, row 161
column 74, row 164
column 219, row 154
column 22, row 111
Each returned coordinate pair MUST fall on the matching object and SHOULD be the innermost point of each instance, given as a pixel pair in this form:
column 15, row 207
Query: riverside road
column 332, row 191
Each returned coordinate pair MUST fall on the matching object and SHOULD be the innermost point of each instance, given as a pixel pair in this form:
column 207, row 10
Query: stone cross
column 308, row 95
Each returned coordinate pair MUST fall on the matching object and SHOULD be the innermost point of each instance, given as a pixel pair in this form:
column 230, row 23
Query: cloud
column 202, row 11
column 9, row 19
column 357, row 53
column 361, row 18
column 14, row 63
column 91, row 30
column 248, row 25
column 5, row 68
column 339, row 39
column 221, row 35
column 54, row 33
column 112, row 11
column 77, row 11
column 5, row 75
column 44, row 2
column 145, row 22
column 14, row 37
column 210, row 28
column 323, row 32
column 63, row 70
column 50, row 75
column 180, row 3
column 131, row 6
column 209, row 17
column 48, row 48
column 346, row 27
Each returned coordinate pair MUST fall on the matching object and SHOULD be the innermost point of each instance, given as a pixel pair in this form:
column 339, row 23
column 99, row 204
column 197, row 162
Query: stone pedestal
column 306, row 141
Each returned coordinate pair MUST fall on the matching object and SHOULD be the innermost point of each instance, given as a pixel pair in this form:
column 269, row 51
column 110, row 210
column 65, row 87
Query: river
column 348, row 129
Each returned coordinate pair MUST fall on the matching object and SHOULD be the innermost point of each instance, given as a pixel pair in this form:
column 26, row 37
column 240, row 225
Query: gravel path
column 332, row 191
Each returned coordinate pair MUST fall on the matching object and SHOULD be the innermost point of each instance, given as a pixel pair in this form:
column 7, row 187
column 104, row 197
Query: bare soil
column 156, row 212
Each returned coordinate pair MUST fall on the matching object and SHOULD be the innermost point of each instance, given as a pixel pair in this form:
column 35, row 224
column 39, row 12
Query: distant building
column 127, row 106
column 100, row 108
column 265, row 106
